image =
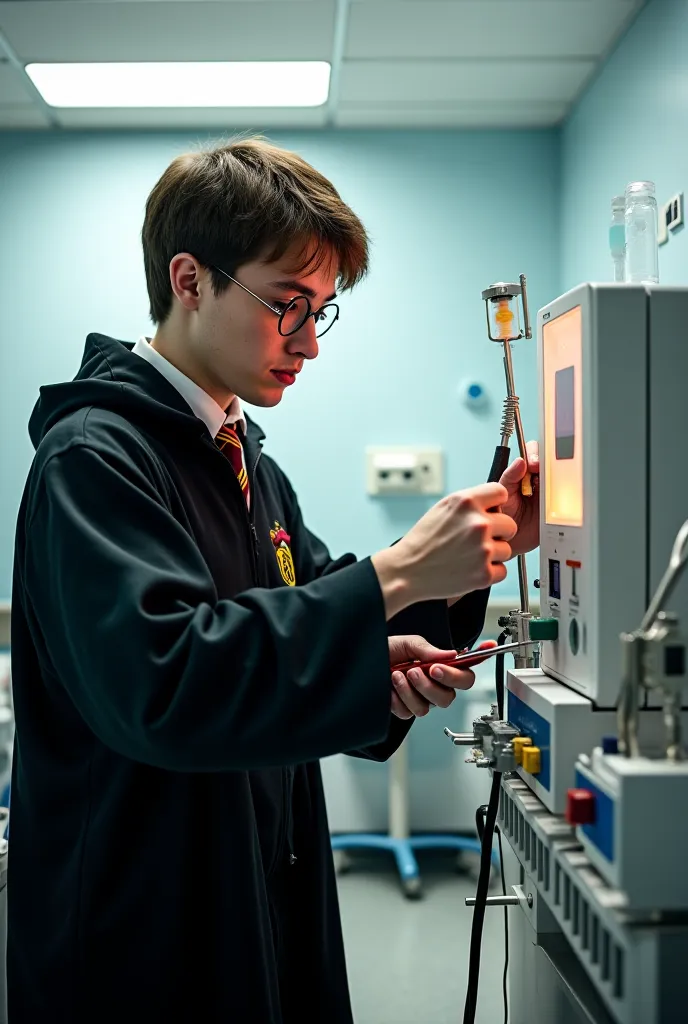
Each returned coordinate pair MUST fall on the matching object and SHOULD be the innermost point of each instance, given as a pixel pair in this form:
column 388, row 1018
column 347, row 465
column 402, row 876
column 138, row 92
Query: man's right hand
column 459, row 545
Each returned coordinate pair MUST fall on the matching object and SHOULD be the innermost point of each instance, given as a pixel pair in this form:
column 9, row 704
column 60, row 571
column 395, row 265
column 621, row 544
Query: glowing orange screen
column 563, row 365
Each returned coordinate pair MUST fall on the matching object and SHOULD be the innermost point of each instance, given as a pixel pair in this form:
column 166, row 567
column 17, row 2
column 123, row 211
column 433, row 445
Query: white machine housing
column 613, row 488
column 639, row 836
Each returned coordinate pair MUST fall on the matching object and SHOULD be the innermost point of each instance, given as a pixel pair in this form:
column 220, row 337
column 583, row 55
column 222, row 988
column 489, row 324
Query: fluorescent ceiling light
column 184, row 84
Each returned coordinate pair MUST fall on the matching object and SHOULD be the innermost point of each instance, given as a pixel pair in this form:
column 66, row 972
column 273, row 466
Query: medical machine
column 588, row 748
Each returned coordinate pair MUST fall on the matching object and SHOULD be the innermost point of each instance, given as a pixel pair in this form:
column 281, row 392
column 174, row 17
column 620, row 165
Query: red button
column 580, row 807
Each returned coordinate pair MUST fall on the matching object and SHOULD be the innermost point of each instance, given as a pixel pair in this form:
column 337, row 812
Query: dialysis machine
column 594, row 782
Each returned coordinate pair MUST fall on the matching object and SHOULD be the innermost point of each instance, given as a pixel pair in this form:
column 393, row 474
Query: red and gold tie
column 227, row 440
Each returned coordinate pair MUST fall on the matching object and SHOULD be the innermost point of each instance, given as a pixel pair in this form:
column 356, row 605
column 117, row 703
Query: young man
column 184, row 649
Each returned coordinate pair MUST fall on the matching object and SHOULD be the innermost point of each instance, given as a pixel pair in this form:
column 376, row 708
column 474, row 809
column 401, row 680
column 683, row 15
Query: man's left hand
column 525, row 511
column 415, row 693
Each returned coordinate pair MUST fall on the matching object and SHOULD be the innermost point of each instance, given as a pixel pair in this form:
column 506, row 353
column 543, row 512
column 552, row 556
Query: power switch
column 580, row 807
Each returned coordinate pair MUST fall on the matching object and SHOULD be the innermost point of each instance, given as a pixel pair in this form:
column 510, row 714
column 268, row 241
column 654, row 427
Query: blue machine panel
column 529, row 723
column 601, row 833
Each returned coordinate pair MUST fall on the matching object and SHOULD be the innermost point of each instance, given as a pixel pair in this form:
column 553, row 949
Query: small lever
column 461, row 739
column 501, row 901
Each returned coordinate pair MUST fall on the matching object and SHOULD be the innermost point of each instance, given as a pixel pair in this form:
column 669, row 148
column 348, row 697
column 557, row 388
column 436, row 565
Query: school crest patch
column 285, row 561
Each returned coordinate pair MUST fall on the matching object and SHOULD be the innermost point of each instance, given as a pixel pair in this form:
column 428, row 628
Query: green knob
column 543, row 629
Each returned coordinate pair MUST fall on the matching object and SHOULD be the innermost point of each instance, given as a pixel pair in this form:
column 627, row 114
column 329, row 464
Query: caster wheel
column 412, row 888
column 342, row 861
column 462, row 863
column 468, row 864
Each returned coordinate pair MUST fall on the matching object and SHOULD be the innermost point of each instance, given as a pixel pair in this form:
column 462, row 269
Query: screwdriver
column 464, row 659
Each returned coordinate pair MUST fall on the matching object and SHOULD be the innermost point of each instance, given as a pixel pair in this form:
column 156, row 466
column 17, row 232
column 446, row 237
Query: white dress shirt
column 202, row 405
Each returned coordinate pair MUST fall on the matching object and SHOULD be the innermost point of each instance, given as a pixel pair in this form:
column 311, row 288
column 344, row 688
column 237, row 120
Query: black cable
column 505, row 990
column 488, row 827
column 480, row 828
column 480, row 820
column 499, row 681
column 481, row 902
column 499, row 674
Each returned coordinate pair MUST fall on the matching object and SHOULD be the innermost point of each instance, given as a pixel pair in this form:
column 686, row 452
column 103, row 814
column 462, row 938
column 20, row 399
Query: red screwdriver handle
column 461, row 660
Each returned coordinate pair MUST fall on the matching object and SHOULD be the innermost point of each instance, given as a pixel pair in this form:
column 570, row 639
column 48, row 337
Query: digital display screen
column 562, row 351
column 564, row 413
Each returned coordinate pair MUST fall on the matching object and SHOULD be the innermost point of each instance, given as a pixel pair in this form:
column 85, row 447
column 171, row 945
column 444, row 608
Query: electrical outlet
column 398, row 470
column 674, row 212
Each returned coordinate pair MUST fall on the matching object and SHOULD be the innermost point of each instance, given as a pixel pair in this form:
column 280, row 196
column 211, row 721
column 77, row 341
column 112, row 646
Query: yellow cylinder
column 531, row 760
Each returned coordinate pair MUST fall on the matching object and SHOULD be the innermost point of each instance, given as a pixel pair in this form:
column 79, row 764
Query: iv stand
column 516, row 622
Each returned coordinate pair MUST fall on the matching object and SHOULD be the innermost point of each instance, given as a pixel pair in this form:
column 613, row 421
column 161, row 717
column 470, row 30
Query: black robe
column 169, row 855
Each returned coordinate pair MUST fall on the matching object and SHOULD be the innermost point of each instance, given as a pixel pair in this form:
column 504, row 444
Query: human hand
column 458, row 546
column 416, row 692
column 525, row 511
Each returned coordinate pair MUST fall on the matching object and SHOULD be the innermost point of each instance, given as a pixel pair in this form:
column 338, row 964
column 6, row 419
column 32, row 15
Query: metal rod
column 504, row 901
column 679, row 554
column 672, row 725
column 461, row 739
column 495, row 901
column 508, row 421
column 632, row 650
column 526, row 313
column 523, row 583
column 509, row 372
column 511, row 390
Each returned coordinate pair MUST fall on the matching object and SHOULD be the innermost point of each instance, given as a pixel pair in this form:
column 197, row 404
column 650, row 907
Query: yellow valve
column 518, row 744
column 531, row 760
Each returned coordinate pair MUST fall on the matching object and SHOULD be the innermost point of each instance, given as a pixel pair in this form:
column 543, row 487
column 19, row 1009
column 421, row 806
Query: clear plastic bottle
column 617, row 237
column 642, row 252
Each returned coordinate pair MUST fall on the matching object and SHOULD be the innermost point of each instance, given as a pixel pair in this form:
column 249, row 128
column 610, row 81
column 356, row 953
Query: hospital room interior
column 519, row 167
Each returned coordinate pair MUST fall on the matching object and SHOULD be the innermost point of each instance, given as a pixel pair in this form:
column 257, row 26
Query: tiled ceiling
column 396, row 63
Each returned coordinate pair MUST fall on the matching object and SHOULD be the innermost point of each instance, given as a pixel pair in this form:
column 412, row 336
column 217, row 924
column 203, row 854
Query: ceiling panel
column 447, row 81
column 485, row 28
column 70, row 30
column 456, row 115
column 407, row 63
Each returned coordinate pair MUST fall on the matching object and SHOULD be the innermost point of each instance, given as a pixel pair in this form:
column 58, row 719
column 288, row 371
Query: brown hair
column 241, row 201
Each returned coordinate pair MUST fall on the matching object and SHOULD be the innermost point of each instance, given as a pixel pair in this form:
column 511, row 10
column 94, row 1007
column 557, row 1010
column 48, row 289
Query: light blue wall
column 448, row 213
column 630, row 125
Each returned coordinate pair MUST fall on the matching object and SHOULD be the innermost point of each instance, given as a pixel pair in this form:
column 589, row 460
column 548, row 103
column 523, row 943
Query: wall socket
column 674, row 211
column 670, row 217
column 398, row 470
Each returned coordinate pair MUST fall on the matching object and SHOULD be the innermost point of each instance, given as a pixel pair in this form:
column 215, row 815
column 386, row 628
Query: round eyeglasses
column 294, row 313
column 297, row 312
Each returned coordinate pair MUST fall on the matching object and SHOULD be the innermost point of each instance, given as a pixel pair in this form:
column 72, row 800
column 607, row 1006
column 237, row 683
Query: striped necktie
column 227, row 440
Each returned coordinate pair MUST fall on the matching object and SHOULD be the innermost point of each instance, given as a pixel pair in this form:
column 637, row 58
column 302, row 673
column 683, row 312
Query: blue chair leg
column 403, row 851
column 449, row 842
column 5, row 802
column 401, row 848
